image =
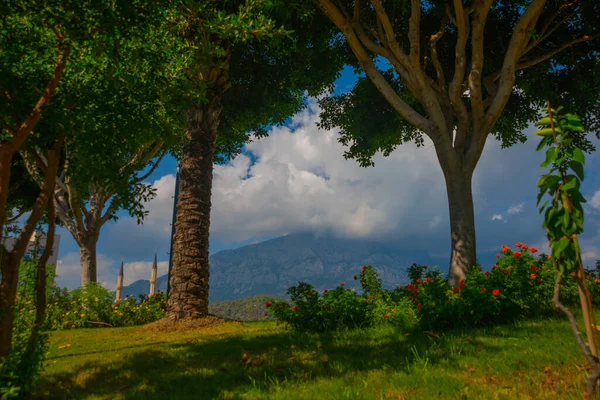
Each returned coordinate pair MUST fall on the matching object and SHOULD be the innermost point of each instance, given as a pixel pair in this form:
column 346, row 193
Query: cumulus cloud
column 297, row 180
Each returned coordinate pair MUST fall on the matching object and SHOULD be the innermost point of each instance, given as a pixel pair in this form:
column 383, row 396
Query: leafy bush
column 342, row 307
column 518, row 285
column 19, row 371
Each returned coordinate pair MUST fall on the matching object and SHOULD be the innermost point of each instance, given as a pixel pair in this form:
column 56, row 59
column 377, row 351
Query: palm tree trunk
column 188, row 285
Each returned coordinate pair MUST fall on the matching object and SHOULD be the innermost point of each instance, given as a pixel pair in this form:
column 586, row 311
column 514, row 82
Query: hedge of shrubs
column 519, row 285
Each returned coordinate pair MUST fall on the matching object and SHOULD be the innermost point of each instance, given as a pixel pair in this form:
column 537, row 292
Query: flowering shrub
column 518, row 285
column 342, row 307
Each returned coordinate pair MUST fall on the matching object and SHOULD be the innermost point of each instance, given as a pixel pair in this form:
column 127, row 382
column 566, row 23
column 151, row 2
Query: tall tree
column 121, row 107
column 39, row 43
column 459, row 72
column 253, row 74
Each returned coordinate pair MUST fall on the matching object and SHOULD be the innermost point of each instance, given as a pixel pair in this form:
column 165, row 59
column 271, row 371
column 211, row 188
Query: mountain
column 272, row 266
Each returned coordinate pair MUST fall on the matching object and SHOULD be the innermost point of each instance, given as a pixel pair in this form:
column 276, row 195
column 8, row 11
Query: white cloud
column 595, row 201
column 496, row 217
column 516, row 209
column 137, row 270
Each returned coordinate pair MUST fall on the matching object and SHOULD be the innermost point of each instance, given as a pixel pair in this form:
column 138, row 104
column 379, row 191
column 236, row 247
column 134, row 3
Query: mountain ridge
column 272, row 266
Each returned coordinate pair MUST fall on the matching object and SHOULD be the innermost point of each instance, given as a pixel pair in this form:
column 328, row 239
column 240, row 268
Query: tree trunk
column 462, row 222
column 8, row 292
column 87, row 255
column 188, row 286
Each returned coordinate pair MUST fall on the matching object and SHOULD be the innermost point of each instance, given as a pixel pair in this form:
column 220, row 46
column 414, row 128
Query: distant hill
column 271, row 267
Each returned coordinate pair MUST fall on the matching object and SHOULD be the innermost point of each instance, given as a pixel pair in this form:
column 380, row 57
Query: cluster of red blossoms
column 506, row 249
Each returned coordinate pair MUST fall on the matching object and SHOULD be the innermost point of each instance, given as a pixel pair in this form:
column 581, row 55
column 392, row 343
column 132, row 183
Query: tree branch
column 518, row 41
column 389, row 31
column 477, row 59
column 152, row 169
column 414, row 24
column 34, row 116
column 371, row 70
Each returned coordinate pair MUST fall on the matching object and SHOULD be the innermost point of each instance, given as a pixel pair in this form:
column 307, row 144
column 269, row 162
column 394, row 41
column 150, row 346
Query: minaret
column 153, row 276
column 119, row 284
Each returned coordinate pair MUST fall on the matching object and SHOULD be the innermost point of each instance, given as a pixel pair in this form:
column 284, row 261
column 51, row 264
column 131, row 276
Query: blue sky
column 297, row 180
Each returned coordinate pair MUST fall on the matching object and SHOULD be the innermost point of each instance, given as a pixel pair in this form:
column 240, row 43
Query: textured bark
column 188, row 286
column 87, row 256
column 462, row 219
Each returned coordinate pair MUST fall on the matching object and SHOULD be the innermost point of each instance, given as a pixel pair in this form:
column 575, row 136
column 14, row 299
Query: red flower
column 455, row 290
column 482, row 290
column 460, row 281
column 415, row 291
column 525, row 247
column 268, row 304
column 494, row 266
column 419, row 280
column 589, row 277
column 519, row 244
column 597, row 280
column 517, row 254
column 429, row 279
column 419, row 306
column 541, row 280
column 533, row 250
column 549, row 257
column 497, row 255
column 364, row 268
column 505, row 248
column 342, row 284
column 462, row 285
column 365, row 301
column 495, row 292
column 573, row 274
column 487, row 273
column 355, row 277
column 362, row 283
column 295, row 308
column 533, row 276
column 534, row 268
column 325, row 291
column 386, row 316
column 424, row 266
column 371, row 297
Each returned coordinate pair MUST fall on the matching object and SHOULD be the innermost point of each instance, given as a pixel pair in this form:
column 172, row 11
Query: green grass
column 533, row 359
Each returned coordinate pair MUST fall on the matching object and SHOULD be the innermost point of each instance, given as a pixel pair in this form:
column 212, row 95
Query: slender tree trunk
column 87, row 255
column 6, row 156
column 188, row 286
column 462, row 221
column 11, row 260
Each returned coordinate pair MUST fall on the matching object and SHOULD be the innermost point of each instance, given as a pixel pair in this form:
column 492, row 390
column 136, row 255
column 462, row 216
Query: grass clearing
column 536, row 359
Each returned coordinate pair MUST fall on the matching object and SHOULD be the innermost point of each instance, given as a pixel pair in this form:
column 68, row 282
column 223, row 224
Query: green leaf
column 551, row 155
column 571, row 184
column 577, row 168
column 578, row 155
column 559, row 246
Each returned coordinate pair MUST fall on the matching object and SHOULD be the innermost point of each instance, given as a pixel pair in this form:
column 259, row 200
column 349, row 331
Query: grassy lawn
column 527, row 360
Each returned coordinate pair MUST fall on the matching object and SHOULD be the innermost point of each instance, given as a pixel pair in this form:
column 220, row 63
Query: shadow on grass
column 239, row 363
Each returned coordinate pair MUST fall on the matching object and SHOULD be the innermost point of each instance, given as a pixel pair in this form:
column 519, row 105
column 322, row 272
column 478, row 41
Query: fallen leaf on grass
column 65, row 346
